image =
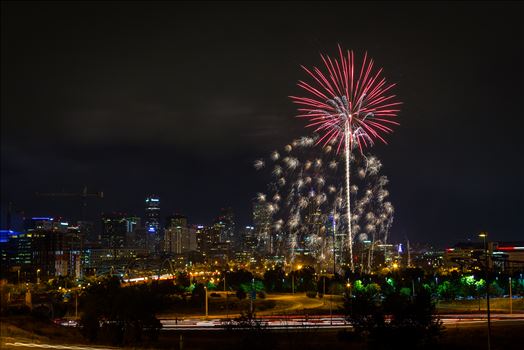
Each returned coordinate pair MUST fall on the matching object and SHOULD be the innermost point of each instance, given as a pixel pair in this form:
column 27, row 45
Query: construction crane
column 84, row 195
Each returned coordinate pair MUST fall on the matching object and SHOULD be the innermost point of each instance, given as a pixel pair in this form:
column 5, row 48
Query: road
column 325, row 322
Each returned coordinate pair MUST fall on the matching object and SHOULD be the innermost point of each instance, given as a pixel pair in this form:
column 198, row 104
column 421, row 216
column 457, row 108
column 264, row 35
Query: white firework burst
column 261, row 197
column 259, row 164
column 308, row 195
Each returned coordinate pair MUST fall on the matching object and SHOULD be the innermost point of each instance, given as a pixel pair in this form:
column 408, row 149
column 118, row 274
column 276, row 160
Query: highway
column 324, row 322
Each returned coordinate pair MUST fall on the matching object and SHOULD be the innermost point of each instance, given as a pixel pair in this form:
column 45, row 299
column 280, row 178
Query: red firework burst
column 344, row 104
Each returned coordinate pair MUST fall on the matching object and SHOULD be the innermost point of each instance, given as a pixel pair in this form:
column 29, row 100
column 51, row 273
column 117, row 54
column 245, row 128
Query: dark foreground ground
column 505, row 335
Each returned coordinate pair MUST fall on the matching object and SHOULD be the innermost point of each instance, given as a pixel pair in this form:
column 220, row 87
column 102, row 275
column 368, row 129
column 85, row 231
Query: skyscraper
column 152, row 223
column 249, row 240
column 179, row 237
column 44, row 246
column 209, row 242
column 114, row 230
column 176, row 220
column 262, row 223
column 133, row 238
column 226, row 220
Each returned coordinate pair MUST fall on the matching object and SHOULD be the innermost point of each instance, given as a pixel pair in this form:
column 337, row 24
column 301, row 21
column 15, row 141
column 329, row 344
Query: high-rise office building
column 179, row 238
column 249, row 240
column 152, row 224
column 88, row 231
column 262, row 227
column 46, row 238
column 201, row 237
column 210, row 245
column 176, row 220
column 15, row 251
column 48, row 247
column 114, row 230
column 133, row 232
column 226, row 220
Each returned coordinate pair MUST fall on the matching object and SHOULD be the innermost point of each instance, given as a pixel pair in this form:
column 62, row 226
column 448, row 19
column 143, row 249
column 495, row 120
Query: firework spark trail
column 313, row 191
column 348, row 108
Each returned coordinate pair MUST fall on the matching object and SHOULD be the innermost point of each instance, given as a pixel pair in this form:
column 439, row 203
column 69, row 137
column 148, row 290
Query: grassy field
column 273, row 304
column 498, row 305
column 299, row 304
column 29, row 329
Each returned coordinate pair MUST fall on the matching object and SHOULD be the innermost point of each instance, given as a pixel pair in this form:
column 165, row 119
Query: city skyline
column 180, row 106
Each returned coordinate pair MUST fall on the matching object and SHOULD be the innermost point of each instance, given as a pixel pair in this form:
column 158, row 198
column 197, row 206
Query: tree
column 274, row 280
column 364, row 311
column 446, row 291
column 252, row 332
column 198, row 294
column 395, row 320
column 306, row 279
column 411, row 318
column 120, row 315
column 236, row 278
column 183, row 280
column 241, row 294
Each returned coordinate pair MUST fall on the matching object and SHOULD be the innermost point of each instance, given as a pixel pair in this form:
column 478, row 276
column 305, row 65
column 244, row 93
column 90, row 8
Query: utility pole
column 331, row 308
column 324, row 287
column 205, row 290
column 227, row 295
column 484, row 236
column 510, row 298
column 227, row 306
column 251, row 297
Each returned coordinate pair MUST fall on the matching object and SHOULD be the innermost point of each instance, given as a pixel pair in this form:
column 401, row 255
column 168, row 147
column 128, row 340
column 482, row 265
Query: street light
column 38, row 276
column 299, row 267
column 348, row 286
column 324, row 289
column 205, row 290
column 484, row 236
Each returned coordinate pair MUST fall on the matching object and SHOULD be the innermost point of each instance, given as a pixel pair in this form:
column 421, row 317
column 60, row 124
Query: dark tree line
column 120, row 315
column 393, row 319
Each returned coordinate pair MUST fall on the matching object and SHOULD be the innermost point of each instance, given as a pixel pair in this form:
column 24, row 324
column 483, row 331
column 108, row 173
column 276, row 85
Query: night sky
column 180, row 99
